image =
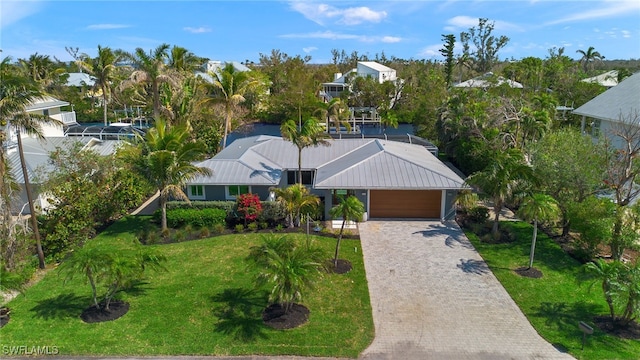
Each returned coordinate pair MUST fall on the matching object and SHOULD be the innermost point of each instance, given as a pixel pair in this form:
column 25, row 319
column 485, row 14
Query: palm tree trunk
column 300, row 165
column 94, row 291
column 32, row 210
column 496, row 221
column 533, row 242
column 227, row 120
column 335, row 257
column 104, row 104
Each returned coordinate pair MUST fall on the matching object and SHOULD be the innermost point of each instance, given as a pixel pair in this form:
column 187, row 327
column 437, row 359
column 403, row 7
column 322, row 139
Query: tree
column 183, row 60
column 286, row 267
column 538, row 208
column 229, row 88
column 504, row 177
column 17, row 93
column 589, row 58
column 103, row 68
column 151, row 70
column 41, row 69
column 335, row 111
column 167, row 161
column 309, row 134
column 447, row 53
column 485, row 54
column 296, row 199
column 349, row 209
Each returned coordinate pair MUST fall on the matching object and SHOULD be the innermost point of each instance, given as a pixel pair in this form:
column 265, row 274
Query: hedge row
column 177, row 218
column 272, row 212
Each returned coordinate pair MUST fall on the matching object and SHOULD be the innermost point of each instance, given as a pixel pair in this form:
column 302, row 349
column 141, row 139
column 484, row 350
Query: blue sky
column 242, row 30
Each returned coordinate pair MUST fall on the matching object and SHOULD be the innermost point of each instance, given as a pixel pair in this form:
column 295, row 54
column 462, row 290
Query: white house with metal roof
column 618, row 105
column 369, row 69
column 392, row 179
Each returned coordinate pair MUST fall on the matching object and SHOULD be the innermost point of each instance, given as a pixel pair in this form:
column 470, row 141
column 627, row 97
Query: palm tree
column 17, row 92
column 183, row 60
column 151, row 70
column 41, row 69
column 287, row 267
column 296, row 199
column 349, row 209
column 90, row 262
column 335, row 111
column 167, row 161
column 229, row 88
column 505, row 175
column 608, row 273
column 309, row 134
column 103, row 69
column 589, row 57
column 538, row 207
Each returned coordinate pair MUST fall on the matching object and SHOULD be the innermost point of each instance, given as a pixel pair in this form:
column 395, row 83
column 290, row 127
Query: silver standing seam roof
column 345, row 164
column 621, row 100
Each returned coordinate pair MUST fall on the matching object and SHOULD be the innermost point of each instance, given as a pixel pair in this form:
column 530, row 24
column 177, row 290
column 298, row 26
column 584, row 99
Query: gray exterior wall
column 218, row 192
column 449, row 205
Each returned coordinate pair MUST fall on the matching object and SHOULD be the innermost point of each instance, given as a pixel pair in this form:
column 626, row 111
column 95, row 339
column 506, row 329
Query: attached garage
column 405, row 203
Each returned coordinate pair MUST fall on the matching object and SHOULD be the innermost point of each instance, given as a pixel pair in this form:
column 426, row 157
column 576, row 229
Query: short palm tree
column 287, row 267
column 536, row 208
column 349, row 209
column 296, row 199
column 167, row 162
column 309, row 134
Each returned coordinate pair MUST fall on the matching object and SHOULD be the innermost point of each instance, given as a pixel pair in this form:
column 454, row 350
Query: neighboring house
column 392, row 179
column 341, row 82
column 80, row 79
column 51, row 107
column 36, row 153
column 488, row 80
column 215, row 67
column 608, row 79
column 611, row 108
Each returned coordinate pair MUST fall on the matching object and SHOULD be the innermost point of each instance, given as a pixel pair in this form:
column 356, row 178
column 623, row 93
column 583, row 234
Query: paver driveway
column 433, row 297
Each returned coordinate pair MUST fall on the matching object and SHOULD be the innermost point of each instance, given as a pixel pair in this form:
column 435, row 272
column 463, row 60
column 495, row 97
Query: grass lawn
column 557, row 302
column 203, row 305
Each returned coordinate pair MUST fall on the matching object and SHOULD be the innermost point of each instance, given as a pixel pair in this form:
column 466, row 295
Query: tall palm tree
column 309, row 134
column 349, row 209
column 167, row 161
column 41, row 69
column 505, row 175
column 103, row 68
column 589, row 57
column 151, row 70
column 538, row 207
column 183, row 60
column 16, row 93
column 229, row 88
column 296, row 199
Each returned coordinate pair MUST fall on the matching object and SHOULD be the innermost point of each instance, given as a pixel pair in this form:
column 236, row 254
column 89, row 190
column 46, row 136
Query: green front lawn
column 203, row 305
column 557, row 302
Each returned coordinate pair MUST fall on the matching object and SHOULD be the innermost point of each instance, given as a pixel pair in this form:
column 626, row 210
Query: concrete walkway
column 433, row 297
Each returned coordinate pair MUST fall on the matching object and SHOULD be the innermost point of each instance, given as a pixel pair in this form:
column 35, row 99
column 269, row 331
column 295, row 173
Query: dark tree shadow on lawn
column 61, row 307
column 473, row 266
column 239, row 313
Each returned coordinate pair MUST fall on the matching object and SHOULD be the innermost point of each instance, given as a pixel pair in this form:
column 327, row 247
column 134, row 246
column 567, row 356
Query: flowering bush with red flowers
column 249, row 206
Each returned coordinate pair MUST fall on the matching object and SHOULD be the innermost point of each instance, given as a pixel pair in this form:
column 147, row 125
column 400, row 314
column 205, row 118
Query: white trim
column 196, row 197
column 443, row 204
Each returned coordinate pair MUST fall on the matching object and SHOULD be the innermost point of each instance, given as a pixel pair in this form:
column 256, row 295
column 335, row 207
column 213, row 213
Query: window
column 339, row 194
column 232, row 191
column 196, row 192
column 292, row 177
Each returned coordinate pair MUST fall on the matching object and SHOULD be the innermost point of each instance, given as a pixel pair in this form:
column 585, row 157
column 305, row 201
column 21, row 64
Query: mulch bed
column 94, row 315
column 344, row 266
column 632, row 331
column 530, row 272
column 275, row 317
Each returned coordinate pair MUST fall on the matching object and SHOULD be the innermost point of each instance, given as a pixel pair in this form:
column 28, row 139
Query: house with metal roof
column 369, row 69
column 392, row 179
column 619, row 105
column 488, row 80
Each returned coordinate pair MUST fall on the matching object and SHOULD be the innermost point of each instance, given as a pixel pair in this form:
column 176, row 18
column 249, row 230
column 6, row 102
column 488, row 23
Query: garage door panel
column 405, row 203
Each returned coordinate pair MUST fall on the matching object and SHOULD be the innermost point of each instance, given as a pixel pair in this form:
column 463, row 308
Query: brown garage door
column 405, row 203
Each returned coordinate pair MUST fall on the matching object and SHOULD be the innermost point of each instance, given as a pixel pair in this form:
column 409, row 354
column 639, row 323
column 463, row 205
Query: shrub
column 249, row 206
column 239, row 228
column 279, row 227
column 273, row 212
column 478, row 214
column 264, row 225
column 204, row 232
column 195, row 217
column 252, row 226
column 219, row 228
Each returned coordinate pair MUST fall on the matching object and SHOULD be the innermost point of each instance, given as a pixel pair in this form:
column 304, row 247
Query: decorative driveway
column 434, row 297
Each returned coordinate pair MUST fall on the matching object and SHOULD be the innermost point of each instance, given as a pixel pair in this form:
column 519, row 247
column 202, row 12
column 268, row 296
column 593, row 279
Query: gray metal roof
column 36, row 154
column 346, row 164
column 621, row 100
column 80, row 79
column 45, row 102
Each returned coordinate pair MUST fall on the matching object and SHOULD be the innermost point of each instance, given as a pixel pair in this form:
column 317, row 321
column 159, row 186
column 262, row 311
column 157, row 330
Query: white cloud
column 14, row 11
column 197, row 30
column 107, row 26
column 330, row 35
column 457, row 23
column 608, row 9
column 309, row 49
column 431, row 51
column 626, row 33
column 320, row 13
